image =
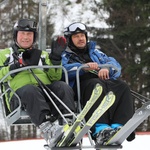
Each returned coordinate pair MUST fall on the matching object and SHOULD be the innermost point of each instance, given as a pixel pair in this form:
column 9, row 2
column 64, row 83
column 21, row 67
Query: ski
column 106, row 103
column 70, row 130
column 108, row 147
column 139, row 116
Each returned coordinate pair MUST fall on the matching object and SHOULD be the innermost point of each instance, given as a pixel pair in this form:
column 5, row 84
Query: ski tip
column 97, row 90
column 98, row 86
column 111, row 92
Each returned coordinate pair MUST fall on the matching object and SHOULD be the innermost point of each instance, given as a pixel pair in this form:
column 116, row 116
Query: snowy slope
column 140, row 143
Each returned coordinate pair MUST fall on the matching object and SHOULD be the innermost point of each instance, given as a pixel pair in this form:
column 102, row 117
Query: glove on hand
column 22, row 61
column 31, row 57
column 16, row 65
column 57, row 47
column 26, row 56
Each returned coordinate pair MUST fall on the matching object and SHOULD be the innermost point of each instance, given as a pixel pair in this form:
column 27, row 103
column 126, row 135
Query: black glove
column 26, row 56
column 31, row 57
column 57, row 47
column 17, row 65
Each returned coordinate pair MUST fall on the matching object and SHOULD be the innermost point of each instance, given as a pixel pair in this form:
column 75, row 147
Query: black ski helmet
column 74, row 28
column 25, row 25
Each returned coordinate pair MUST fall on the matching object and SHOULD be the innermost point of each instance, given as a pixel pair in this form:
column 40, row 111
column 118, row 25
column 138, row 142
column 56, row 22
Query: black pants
column 35, row 101
column 123, row 108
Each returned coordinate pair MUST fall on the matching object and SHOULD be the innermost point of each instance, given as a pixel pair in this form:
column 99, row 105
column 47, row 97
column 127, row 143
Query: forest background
column 121, row 29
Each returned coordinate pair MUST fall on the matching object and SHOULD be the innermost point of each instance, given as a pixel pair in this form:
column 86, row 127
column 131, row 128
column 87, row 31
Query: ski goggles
column 25, row 23
column 73, row 27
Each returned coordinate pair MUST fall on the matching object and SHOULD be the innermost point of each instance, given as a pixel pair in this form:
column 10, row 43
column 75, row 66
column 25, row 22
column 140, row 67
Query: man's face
column 79, row 40
column 25, row 39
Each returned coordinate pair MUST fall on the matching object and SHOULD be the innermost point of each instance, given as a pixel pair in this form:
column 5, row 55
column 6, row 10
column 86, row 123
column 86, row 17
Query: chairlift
column 19, row 115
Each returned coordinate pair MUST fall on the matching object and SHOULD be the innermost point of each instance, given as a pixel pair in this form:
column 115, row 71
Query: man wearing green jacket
column 23, row 53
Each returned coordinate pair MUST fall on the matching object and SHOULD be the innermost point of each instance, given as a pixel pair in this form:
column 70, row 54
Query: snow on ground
column 140, row 143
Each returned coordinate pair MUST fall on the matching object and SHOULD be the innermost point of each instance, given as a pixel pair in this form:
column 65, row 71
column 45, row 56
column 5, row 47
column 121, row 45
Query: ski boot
column 52, row 132
column 104, row 135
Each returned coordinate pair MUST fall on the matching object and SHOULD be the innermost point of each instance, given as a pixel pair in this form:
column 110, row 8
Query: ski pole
column 45, row 89
column 137, row 95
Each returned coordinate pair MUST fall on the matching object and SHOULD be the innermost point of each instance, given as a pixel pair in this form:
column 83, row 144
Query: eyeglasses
column 25, row 23
column 73, row 27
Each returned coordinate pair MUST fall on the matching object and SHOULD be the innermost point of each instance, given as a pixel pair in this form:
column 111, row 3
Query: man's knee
column 29, row 89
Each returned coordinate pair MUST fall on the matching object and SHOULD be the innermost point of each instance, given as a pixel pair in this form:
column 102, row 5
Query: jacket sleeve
column 101, row 58
column 104, row 59
column 113, row 72
column 4, row 69
column 70, row 67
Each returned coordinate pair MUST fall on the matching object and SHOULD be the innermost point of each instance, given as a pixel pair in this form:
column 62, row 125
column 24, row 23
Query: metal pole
column 42, row 24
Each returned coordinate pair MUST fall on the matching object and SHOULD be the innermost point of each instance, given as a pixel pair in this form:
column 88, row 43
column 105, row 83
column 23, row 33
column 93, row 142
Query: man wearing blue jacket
column 79, row 52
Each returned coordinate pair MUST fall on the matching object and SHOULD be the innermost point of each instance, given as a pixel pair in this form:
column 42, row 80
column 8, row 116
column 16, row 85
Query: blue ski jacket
column 71, row 63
